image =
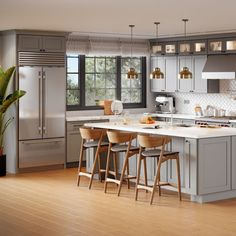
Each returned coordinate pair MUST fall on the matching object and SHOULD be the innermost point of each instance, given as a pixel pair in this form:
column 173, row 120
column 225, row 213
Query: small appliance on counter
column 165, row 104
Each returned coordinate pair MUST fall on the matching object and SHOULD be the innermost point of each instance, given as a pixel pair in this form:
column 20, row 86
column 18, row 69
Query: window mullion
column 118, row 76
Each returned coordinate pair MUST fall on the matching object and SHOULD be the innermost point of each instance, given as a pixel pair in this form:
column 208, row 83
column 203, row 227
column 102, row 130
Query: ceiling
column 112, row 17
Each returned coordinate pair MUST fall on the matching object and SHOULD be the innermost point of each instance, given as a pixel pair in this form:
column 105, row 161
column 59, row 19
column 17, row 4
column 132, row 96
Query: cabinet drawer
column 41, row 152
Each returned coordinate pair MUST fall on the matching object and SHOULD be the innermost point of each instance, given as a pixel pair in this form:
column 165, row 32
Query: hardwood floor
column 49, row 203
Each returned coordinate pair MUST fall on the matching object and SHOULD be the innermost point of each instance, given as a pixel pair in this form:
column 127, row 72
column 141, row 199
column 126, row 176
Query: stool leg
column 154, row 188
column 159, row 178
column 123, row 172
column 107, row 167
column 127, row 171
column 115, row 165
column 138, row 174
column 178, row 174
column 94, row 167
column 99, row 168
column 80, row 161
column 145, row 171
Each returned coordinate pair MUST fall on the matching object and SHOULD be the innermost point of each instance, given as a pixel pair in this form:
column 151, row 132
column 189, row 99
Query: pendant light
column 131, row 74
column 185, row 73
column 156, row 73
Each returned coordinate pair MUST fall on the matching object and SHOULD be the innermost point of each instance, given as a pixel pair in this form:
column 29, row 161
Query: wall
column 226, row 99
column 10, row 137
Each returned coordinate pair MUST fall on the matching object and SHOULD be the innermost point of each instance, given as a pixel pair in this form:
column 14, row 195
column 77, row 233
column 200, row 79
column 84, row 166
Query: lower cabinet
column 214, row 165
column 74, row 142
column 233, row 162
column 187, row 149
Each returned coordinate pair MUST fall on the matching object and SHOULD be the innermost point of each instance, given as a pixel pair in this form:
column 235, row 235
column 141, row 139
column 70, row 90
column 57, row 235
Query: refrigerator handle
column 44, row 102
column 40, row 106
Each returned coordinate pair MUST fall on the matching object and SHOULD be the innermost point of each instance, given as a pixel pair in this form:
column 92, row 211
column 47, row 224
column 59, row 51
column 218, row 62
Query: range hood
column 220, row 67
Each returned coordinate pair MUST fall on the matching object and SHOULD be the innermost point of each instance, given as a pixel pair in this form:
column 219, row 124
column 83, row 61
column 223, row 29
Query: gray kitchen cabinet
column 185, row 85
column 214, row 165
column 168, row 66
column 158, row 85
column 74, row 142
column 187, row 149
column 38, row 43
column 233, row 162
column 190, row 159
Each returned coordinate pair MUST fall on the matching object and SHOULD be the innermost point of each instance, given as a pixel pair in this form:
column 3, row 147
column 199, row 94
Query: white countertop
column 174, row 131
column 101, row 117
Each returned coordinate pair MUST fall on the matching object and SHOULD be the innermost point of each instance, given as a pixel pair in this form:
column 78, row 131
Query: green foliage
column 6, row 100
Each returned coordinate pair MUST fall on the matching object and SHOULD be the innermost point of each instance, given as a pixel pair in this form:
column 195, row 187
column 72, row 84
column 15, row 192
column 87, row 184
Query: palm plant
column 6, row 101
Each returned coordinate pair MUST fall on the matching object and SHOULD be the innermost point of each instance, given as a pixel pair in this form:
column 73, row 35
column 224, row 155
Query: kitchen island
column 207, row 155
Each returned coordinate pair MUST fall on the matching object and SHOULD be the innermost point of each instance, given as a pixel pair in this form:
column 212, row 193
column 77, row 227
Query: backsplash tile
column 226, row 99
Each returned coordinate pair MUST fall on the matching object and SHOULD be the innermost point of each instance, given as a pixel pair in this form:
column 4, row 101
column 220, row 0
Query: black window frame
column 81, row 82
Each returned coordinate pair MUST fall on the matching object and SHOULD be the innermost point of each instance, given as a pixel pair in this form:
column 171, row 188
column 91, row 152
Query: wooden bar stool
column 120, row 142
column 92, row 138
column 158, row 143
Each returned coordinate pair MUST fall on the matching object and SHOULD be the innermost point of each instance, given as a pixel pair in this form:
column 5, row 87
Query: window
column 100, row 79
column 90, row 79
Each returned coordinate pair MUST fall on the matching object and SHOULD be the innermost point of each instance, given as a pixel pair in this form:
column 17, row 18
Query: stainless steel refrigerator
column 42, row 116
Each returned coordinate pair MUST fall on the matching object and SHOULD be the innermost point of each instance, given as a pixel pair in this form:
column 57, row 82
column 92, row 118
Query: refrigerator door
column 54, row 102
column 30, row 105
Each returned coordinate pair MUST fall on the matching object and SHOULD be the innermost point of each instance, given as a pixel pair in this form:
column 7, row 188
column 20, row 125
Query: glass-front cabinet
column 185, row 47
column 170, row 48
column 200, row 47
column 157, row 49
column 215, row 46
column 230, row 45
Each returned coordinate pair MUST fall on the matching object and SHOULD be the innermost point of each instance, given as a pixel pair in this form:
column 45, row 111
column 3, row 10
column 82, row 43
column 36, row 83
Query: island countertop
column 195, row 132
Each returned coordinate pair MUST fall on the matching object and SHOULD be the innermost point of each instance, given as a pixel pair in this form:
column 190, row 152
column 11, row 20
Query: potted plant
column 5, row 103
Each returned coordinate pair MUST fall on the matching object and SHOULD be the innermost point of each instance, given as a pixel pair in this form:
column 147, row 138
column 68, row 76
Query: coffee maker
column 165, row 104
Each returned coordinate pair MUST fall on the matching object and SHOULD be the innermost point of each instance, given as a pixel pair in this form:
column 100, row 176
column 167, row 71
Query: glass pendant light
column 185, row 73
column 156, row 73
column 131, row 74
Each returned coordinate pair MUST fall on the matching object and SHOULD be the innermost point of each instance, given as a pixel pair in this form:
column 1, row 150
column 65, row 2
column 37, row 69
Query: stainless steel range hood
column 220, row 67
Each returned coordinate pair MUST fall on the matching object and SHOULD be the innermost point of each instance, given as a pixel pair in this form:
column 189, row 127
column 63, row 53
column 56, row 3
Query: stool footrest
column 112, row 172
column 113, row 181
column 144, row 187
column 130, row 177
column 85, row 174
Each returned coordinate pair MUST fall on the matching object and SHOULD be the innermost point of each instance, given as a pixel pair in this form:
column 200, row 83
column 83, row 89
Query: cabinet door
column 171, row 74
column 233, row 162
column 190, row 166
column 158, row 85
column 73, row 147
column 177, row 145
column 200, row 85
column 32, row 43
column 53, row 44
column 185, row 85
column 214, row 165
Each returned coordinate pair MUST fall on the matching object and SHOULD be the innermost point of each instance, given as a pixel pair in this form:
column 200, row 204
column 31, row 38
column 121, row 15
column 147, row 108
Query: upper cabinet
column 168, row 66
column 172, row 65
column 38, row 43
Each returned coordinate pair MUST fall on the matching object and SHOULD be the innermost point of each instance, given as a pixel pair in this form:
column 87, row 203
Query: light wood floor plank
column 50, row 203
